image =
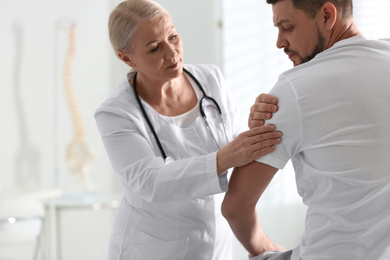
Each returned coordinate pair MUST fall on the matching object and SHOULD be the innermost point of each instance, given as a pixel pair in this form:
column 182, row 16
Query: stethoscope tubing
column 147, row 118
column 205, row 96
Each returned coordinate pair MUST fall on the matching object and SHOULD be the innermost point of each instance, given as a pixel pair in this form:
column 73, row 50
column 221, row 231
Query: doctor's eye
column 154, row 49
column 173, row 37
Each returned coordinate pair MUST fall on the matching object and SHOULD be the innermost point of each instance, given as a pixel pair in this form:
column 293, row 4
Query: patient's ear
column 328, row 15
column 125, row 58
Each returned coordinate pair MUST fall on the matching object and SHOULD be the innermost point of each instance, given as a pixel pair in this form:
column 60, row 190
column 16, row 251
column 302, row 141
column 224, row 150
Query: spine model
column 78, row 154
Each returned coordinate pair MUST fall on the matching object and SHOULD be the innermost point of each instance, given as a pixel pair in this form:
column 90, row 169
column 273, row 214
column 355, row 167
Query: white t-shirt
column 335, row 117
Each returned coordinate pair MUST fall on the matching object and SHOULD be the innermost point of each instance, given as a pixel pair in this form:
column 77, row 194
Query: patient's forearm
column 239, row 206
column 246, row 227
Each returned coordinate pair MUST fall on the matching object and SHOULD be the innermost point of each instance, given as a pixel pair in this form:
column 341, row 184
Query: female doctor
column 171, row 132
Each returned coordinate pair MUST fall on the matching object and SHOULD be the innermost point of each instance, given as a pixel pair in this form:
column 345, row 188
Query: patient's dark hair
column 311, row 7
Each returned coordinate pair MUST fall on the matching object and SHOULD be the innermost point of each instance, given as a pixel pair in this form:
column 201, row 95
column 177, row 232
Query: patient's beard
column 319, row 48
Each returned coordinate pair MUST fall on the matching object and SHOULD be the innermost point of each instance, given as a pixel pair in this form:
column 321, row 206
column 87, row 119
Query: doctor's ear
column 125, row 58
column 329, row 15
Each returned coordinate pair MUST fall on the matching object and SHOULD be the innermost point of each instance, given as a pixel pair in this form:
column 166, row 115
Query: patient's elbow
column 230, row 208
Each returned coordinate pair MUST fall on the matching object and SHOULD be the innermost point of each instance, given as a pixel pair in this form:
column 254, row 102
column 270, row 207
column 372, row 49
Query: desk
column 40, row 194
column 77, row 212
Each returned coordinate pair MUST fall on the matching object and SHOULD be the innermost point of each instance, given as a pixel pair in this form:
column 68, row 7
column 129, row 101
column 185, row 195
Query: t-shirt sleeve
column 288, row 119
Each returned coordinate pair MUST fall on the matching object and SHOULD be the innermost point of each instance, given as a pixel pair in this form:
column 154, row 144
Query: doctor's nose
column 170, row 51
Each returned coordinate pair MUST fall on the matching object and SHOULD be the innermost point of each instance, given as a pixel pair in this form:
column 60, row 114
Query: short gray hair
column 125, row 19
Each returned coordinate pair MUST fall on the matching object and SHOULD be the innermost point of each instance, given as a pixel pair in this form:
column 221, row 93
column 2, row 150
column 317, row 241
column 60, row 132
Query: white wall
column 36, row 129
column 36, row 124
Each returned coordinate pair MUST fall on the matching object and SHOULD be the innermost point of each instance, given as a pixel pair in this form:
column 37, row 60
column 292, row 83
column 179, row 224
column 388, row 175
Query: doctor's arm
column 254, row 143
column 246, row 185
column 248, row 146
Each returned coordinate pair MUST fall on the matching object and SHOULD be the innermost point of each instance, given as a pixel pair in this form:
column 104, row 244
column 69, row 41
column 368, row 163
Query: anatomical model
column 78, row 155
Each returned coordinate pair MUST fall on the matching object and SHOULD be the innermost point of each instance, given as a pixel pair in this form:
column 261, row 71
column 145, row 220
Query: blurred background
column 57, row 66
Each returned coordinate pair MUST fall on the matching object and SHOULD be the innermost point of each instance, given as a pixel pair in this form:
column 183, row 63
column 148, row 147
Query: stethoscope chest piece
column 168, row 160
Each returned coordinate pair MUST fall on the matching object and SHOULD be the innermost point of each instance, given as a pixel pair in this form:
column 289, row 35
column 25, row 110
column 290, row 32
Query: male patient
column 334, row 112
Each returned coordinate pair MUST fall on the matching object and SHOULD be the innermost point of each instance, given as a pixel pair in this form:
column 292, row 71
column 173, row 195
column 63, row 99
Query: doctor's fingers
column 269, row 143
column 261, row 152
column 256, row 135
column 260, row 149
column 269, row 137
column 261, row 132
column 260, row 139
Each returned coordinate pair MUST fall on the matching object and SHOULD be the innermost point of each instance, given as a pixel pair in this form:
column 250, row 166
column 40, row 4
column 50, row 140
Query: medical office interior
column 57, row 66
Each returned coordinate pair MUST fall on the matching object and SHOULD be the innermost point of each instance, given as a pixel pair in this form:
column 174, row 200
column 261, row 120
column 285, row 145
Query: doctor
column 171, row 131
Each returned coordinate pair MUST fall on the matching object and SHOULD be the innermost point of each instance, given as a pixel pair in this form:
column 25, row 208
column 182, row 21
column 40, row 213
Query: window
column 372, row 17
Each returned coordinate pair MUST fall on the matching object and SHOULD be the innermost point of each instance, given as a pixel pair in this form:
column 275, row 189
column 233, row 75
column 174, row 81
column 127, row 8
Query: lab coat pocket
column 165, row 250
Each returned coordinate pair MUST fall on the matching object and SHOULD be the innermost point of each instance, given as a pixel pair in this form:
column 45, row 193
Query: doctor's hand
column 262, row 110
column 248, row 146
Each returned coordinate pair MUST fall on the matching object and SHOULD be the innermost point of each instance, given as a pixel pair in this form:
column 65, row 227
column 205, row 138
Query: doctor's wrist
column 222, row 164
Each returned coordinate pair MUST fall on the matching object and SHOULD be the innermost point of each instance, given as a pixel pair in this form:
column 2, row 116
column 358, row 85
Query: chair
column 21, row 225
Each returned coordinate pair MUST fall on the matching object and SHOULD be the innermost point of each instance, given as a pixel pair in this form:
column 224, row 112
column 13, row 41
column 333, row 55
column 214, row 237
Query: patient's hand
column 275, row 248
column 262, row 110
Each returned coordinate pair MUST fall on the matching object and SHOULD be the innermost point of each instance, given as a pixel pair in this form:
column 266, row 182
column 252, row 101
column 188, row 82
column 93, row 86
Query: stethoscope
column 202, row 112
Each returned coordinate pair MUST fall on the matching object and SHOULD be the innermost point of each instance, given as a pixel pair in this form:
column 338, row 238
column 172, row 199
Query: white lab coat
column 168, row 211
